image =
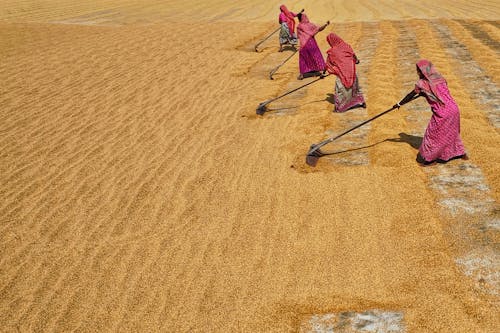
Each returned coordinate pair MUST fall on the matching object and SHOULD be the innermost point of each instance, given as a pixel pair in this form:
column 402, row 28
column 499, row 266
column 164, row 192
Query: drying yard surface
column 139, row 191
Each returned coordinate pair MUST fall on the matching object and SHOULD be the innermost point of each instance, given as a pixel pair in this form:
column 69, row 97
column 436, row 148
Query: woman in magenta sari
column 341, row 61
column 311, row 62
column 441, row 141
column 287, row 31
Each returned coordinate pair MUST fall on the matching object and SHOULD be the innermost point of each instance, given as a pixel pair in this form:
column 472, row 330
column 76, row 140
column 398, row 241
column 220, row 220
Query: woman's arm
column 324, row 26
column 406, row 99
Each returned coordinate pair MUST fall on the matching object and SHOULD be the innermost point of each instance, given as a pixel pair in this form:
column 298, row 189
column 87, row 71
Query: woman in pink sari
column 311, row 62
column 287, row 23
column 341, row 61
column 441, row 141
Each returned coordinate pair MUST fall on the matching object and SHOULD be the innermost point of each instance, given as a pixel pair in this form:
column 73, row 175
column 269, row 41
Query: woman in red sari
column 341, row 61
column 441, row 141
column 311, row 62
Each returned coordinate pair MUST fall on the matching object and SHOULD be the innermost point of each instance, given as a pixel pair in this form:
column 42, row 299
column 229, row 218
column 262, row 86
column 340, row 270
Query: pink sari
column 288, row 17
column 441, row 140
column 310, row 57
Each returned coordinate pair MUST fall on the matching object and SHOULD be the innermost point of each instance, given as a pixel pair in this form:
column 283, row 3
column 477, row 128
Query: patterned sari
column 287, row 22
column 310, row 57
column 441, row 140
column 341, row 61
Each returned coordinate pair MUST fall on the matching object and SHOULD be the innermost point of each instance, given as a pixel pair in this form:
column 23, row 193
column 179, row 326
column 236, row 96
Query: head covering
column 306, row 30
column 431, row 79
column 288, row 18
column 340, row 60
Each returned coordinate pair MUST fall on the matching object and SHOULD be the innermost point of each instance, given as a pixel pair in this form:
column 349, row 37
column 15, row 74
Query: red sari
column 341, row 61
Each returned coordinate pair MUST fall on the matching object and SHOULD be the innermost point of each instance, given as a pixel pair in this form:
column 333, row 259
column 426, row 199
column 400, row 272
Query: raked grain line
column 202, row 158
column 34, row 190
column 408, row 55
column 461, row 186
column 28, row 11
column 187, row 259
column 66, row 167
column 106, row 291
column 479, row 44
column 195, row 183
column 367, row 47
column 71, row 293
column 495, row 24
column 479, row 33
column 487, row 93
column 47, row 97
column 179, row 251
column 491, row 29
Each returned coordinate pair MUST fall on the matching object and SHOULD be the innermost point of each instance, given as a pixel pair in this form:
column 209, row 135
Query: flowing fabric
column 341, row 60
column 285, row 36
column 306, row 30
column 347, row 98
column 310, row 57
column 431, row 79
column 288, row 17
column 441, row 140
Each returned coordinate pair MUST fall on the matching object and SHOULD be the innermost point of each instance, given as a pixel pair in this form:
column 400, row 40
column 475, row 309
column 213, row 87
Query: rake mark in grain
column 487, row 93
column 347, row 146
column 480, row 34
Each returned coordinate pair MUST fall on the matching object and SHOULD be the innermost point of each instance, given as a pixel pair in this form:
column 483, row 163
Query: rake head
column 313, row 156
column 261, row 109
column 271, row 73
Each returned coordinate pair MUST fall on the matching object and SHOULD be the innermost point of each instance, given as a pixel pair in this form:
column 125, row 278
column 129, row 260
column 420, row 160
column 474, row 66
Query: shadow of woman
column 413, row 140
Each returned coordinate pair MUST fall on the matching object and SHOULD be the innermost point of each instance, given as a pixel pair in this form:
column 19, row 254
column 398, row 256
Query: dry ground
column 140, row 192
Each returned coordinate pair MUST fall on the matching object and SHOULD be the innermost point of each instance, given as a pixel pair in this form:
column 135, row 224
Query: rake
column 262, row 41
column 271, row 73
column 315, row 152
column 262, row 108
